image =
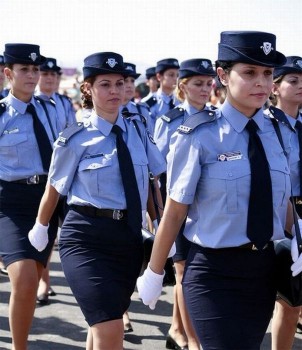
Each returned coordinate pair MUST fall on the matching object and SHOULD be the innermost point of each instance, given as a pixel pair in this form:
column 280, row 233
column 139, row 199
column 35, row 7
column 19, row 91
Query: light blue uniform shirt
column 293, row 157
column 161, row 107
column 19, row 152
column 86, row 169
column 142, row 109
column 65, row 114
column 164, row 130
column 209, row 170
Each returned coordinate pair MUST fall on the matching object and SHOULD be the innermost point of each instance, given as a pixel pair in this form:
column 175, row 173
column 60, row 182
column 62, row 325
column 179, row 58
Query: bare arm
column 173, row 217
column 48, row 204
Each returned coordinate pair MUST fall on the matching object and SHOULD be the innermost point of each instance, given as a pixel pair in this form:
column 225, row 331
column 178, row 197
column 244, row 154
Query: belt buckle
column 255, row 248
column 117, row 214
column 32, row 180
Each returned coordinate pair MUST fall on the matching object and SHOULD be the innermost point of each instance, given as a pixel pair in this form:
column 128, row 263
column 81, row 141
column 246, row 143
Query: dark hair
column 225, row 65
column 86, row 97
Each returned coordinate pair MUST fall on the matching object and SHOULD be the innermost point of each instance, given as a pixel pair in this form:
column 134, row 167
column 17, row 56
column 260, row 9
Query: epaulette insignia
column 195, row 120
column 2, row 108
column 151, row 101
column 280, row 116
column 173, row 114
column 66, row 134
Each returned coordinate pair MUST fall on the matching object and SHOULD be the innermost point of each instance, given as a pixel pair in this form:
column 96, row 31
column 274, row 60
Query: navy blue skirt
column 101, row 259
column 182, row 246
column 230, row 295
column 19, row 204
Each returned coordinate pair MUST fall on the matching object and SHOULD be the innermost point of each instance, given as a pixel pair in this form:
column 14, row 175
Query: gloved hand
column 149, row 287
column 297, row 259
column 172, row 250
column 38, row 236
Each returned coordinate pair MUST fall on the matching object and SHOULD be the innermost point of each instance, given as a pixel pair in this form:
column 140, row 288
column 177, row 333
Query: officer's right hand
column 38, row 236
column 149, row 287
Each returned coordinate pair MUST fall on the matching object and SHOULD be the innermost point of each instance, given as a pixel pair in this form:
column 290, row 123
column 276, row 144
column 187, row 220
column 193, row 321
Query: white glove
column 38, row 236
column 172, row 250
column 297, row 265
column 149, row 287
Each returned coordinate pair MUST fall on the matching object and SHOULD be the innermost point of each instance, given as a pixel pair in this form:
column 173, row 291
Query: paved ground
column 60, row 325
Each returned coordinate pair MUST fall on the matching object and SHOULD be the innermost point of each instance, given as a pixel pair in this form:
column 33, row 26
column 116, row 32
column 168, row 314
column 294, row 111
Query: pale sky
column 145, row 31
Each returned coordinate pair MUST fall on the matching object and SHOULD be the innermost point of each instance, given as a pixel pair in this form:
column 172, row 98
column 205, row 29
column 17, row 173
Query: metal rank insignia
column 229, row 156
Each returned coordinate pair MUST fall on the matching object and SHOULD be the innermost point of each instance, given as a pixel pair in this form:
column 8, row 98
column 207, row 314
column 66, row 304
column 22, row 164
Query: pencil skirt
column 101, row 259
column 230, row 295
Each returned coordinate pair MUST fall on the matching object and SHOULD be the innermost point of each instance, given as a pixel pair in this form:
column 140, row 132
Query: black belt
column 252, row 246
column 32, row 180
column 114, row 214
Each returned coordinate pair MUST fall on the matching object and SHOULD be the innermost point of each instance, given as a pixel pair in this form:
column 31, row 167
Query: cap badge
column 112, row 62
column 205, row 64
column 299, row 63
column 50, row 64
column 33, row 56
column 267, row 47
column 129, row 68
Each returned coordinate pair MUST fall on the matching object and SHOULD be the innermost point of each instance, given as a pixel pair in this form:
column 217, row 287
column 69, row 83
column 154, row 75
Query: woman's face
column 197, row 90
column 107, row 93
column 48, row 82
column 248, row 86
column 23, row 79
column 168, row 79
column 289, row 90
column 129, row 89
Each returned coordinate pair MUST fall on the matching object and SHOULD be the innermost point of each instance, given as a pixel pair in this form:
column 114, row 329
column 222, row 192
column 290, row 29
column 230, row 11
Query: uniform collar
column 238, row 120
column 190, row 109
column 19, row 105
column 103, row 125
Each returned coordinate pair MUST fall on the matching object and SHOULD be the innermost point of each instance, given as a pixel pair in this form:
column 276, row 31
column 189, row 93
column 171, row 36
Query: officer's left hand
column 297, row 259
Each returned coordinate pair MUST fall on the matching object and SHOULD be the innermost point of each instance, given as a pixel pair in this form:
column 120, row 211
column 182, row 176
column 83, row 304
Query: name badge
column 229, row 156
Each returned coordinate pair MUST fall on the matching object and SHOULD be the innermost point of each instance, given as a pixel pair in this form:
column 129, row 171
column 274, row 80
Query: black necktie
column 125, row 112
column 44, row 145
column 133, row 200
column 260, row 212
column 299, row 131
column 171, row 103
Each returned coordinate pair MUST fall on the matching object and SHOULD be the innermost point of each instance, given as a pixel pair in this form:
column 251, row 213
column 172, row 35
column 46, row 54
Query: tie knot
column 251, row 126
column 30, row 108
column 116, row 130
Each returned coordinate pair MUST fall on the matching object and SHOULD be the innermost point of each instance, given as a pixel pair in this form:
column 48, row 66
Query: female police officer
column 286, row 98
column 213, row 164
column 25, row 150
column 100, row 241
column 193, row 89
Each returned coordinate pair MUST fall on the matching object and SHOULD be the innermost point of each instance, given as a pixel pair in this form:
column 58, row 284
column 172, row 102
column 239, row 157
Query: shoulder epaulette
column 151, row 101
column 67, row 133
column 280, row 116
column 173, row 114
column 195, row 120
column 2, row 108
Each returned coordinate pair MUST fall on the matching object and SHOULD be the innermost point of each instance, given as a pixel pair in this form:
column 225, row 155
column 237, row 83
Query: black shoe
column 42, row 299
column 171, row 344
column 51, row 292
column 128, row 328
column 299, row 328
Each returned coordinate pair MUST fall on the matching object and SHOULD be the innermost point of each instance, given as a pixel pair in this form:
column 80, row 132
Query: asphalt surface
column 60, row 324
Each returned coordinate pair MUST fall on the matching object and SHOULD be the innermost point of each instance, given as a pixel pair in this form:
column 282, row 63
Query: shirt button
column 230, row 174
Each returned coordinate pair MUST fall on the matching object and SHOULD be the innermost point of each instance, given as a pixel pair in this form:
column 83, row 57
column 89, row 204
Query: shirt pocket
column 11, row 147
column 228, row 181
column 94, row 171
column 280, row 181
